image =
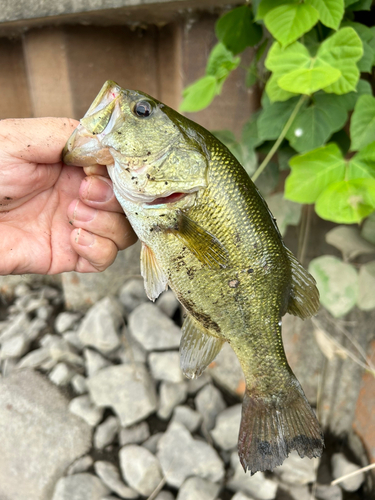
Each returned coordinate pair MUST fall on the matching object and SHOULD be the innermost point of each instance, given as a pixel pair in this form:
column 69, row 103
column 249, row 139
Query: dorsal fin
column 155, row 279
column 304, row 294
column 198, row 348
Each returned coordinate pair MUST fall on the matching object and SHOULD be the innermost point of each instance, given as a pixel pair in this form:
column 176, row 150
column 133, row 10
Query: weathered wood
column 15, row 98
column 47, row 71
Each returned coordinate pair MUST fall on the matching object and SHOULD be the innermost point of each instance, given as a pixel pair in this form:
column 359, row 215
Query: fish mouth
column 172, row 198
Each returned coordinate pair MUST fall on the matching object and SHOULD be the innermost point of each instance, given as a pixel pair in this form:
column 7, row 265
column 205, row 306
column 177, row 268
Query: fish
column 208, row 234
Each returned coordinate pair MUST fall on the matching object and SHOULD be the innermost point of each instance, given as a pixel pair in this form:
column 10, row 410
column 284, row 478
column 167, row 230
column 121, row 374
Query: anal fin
column 155, row 279
column 204, row 245
column 304, row 294
column 198, row 348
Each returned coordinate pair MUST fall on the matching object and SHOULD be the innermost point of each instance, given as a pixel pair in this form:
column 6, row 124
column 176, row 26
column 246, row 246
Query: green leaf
column 284, row 155
column 330, row 11
column 362, row 165
column 250, row 133
column 367, row 36
column 368, row 229
column 272, row 120
column 341, row 51
column 275, row 93
column 347, row 201
column 337, row 283
column 289, row 22
column 361, row 5
column 349, row 100
column 312, row 172
column 286, row 212
column 237, row 30
column 341, row 138
column 350, row 2
column 366, row 62
column 268, row 179
column 221, row 62
column 251, row 75
column 366, row 285
column 314, row 125
column 349, row 241
column 199, row 95
column 362, row 125
column 266, row 5
column 308, row 81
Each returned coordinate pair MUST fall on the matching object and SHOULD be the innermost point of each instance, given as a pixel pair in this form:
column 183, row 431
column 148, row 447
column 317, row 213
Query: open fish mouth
column 172, row 198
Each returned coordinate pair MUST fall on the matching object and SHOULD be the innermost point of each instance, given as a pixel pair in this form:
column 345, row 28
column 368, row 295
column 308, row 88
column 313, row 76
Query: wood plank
column 47, row 71
column 15, row 99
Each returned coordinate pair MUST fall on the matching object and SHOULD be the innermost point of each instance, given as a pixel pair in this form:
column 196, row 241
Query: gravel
column 341, row 466
column 94, row 361
column 140, row 468
column 166, row 366
column 80, row 487
column 296, row 470
column 209, row 403
column 83, row 407
column 106, row 432
column 110, row 476
column 136, row 434
column 196, row 488
column 171, row 395
column 225, row 433
column 189, row 418
column 128, row 389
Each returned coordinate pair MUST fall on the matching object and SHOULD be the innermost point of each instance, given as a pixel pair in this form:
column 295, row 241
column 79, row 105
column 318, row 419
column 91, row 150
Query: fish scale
column 208, row 234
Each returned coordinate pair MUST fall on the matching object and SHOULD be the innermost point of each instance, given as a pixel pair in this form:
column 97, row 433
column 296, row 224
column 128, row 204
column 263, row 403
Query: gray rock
column 171, row 395
column 188, row 417
column 132, row 294
column 194, row 385
column 226, row 371
column 136, row 434
column 106, row 432
column 110, row 476
column 73, row 339
column 17, row 337
column 83, row 290
column 130, row 351
column 151, row 444
column 225, row 433
column 296, row 470
column 61, row 374
column 256, row 486
column 209, row 403
column 44, row 313
column 168, row 303
column 340, row 467
column 21, row 289
column 14, row 347
column 66, row 321
column 79, row 384
column 80, row 487
column 94, row 361
column 128, row 389
column 181, row 456
column 196, row 488
column 60, row 350
column 15, row 327
column 83, row 407
column 153, row 329
column 140, row 468
column 82, row 464
column 35, row 359
column 166, row 366
column 39, row 436
column 165, row 495
column 99, row 328
column 298, row 492
column 328, row 492
column 240, row 496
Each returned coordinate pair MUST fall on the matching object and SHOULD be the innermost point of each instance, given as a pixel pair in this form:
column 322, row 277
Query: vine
column 313, row 62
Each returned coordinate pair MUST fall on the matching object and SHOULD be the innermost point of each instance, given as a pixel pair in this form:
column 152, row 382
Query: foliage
column 312, row 61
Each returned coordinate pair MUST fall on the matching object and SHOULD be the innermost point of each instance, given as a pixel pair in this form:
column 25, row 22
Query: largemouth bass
column 207, row 233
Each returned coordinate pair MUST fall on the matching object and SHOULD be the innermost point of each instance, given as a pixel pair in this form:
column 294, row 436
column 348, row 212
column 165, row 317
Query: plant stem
column 279, row 140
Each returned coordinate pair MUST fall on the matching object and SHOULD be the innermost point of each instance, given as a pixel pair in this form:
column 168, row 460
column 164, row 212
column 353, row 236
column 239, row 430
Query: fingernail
column 84, row 238
column 96, row 189
column 83, row 213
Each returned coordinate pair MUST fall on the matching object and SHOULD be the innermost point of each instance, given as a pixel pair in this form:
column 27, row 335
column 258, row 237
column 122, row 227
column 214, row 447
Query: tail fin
column 271, row 429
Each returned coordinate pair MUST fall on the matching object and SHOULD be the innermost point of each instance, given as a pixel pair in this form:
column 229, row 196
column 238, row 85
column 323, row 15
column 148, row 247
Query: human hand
column 53, row 219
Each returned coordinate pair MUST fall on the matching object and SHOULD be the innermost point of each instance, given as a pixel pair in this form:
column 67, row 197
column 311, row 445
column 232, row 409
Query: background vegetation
column 313, row 62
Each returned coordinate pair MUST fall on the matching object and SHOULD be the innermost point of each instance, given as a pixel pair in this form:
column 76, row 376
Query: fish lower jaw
column 178, row 199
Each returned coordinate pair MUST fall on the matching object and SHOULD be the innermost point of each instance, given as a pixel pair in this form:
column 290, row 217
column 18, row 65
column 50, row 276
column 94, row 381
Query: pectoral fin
column 204, row 245
column 155, row 278
column 198, row 348
column 304, row 295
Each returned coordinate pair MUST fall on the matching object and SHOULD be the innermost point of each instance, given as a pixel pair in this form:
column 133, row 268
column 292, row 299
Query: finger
column 39, row 140
column 96, row 170
column 112, row 225
column 96, row 253
column 97, row 192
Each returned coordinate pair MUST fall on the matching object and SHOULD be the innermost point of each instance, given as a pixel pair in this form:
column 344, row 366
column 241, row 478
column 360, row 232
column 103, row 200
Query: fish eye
column 143, row 109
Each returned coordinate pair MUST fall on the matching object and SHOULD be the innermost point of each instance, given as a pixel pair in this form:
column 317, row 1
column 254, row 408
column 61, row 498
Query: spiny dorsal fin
column 204, row 245
column 304, row 295
column 155, row 279
column 198, row 348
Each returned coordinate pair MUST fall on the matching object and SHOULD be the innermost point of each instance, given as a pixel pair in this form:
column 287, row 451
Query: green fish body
column 207, row 233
